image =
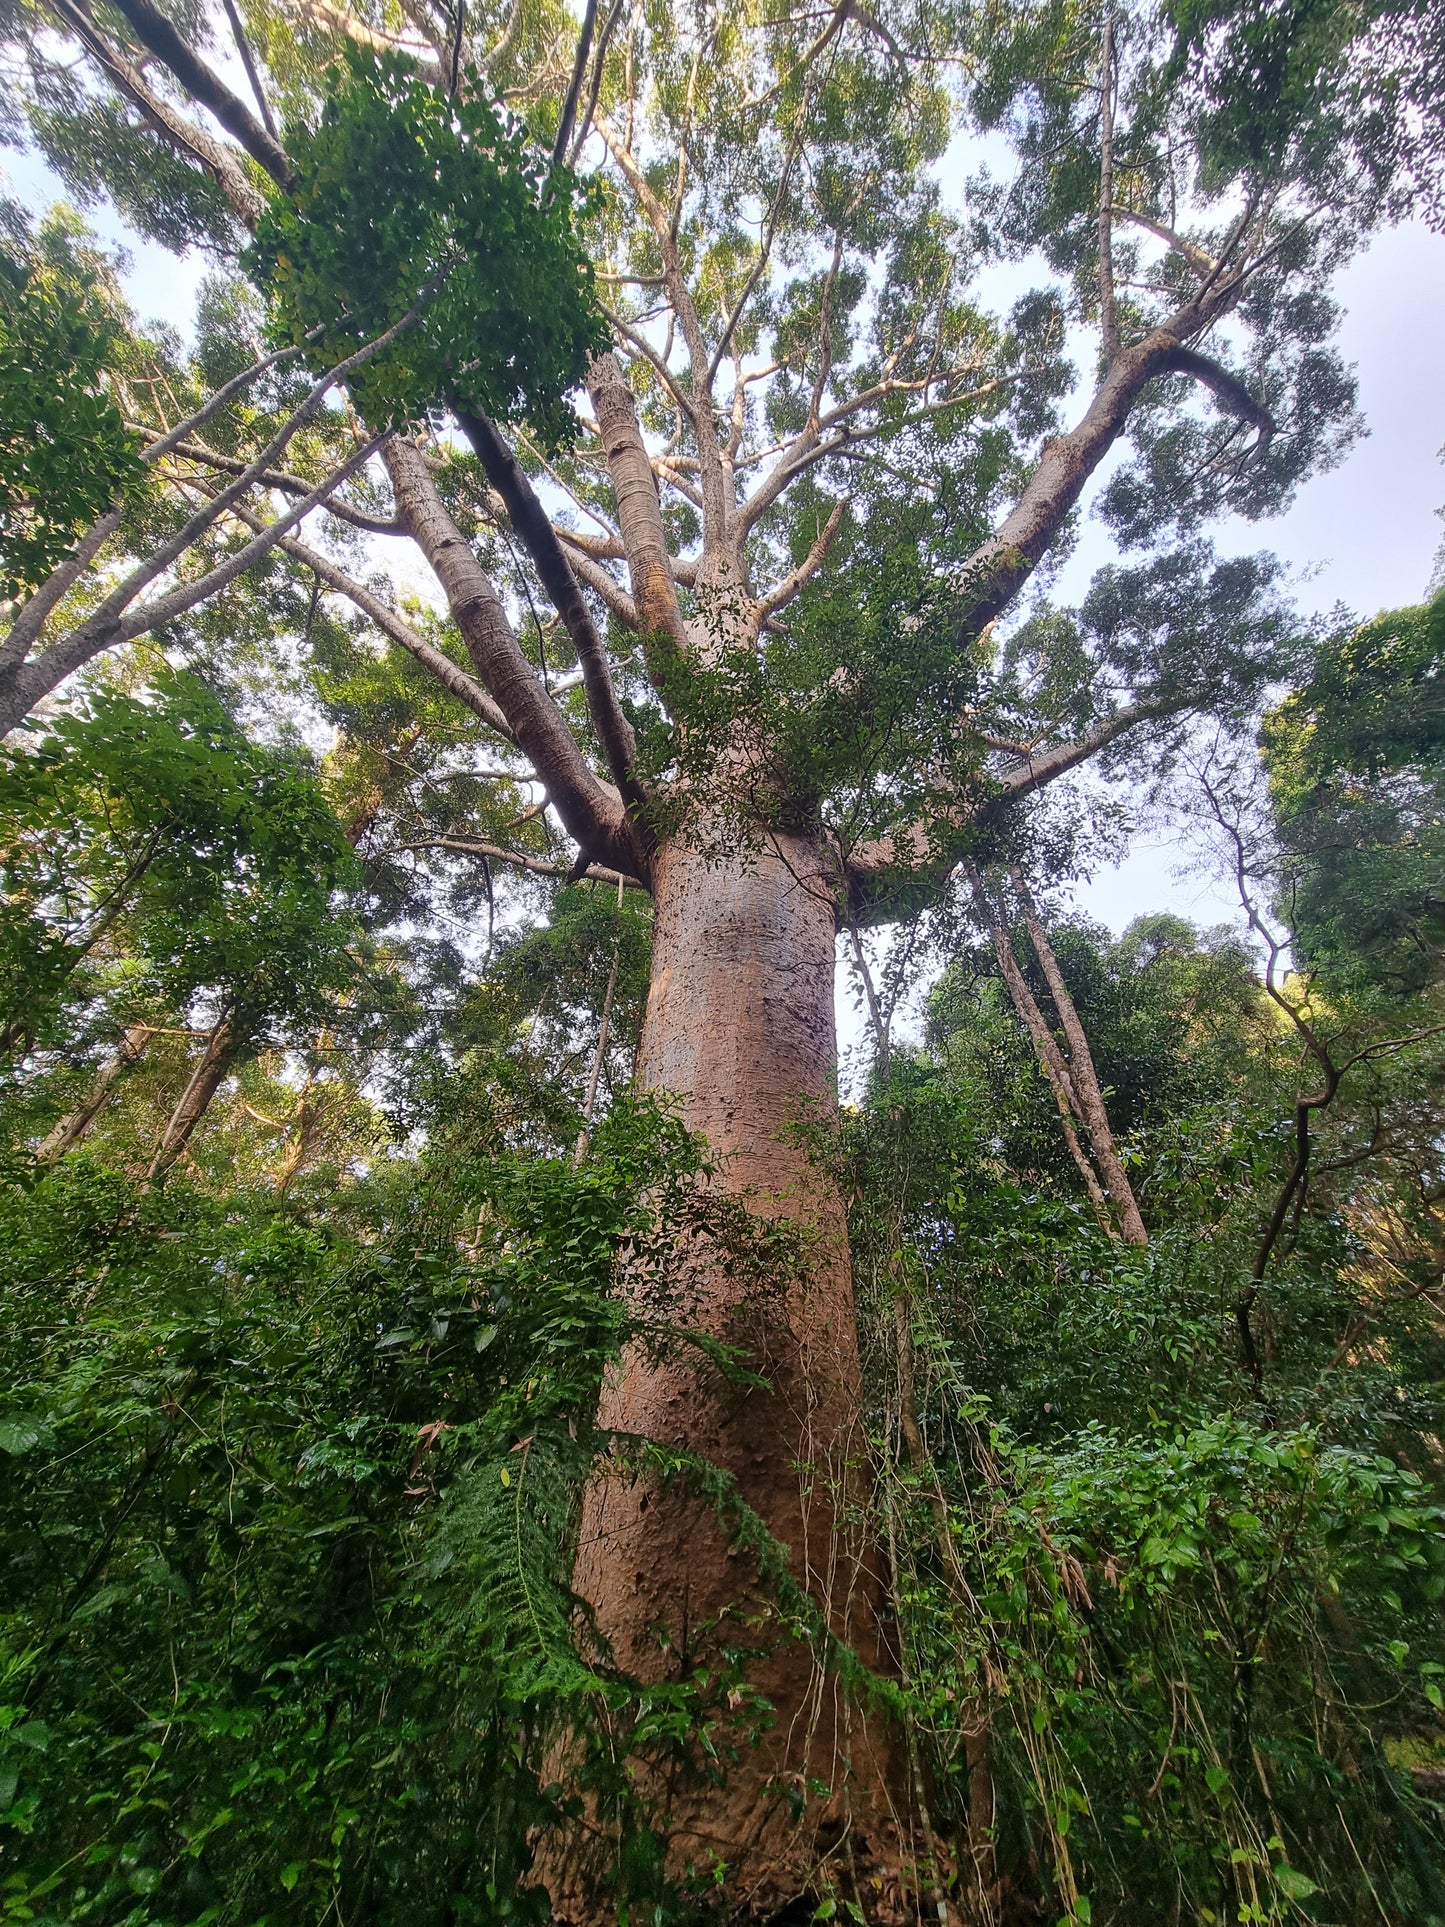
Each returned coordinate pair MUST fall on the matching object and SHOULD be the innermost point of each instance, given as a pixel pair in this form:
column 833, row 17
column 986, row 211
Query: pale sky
column 1365, row 535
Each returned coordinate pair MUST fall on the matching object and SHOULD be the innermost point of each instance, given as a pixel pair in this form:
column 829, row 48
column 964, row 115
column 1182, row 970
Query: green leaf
column 1293, row 1884
column 18, row 1436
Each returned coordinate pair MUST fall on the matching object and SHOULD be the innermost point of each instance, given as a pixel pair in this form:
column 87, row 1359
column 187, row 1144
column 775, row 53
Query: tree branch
column 535, row 865
column 466, row 689
column 156, row 33
column 289, row 485
column 328, row 18
column 593, row 814
column 1051, row 1058
column 1001, row 565
column 1108, row 308
column 534, row 530
column 243, row 48
column 186, row 596
column 793, row 581
column 639, row 508
column 218, row 160
column 716, row 509
column 574, row 89
column 1088, row 1095
column 1227, row 389
column 1202, row 263
column 593, row 576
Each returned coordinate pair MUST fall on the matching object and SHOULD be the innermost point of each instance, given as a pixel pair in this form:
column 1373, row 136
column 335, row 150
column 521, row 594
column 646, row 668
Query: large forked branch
column 533, row 528
column 999, row 568
column 23, row 686
column 30, row 621
column 1036, row 768
column 911, row 853
column 592, row 813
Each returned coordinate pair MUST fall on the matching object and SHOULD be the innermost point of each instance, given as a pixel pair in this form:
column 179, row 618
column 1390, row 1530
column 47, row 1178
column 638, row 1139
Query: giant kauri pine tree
column 823, row 444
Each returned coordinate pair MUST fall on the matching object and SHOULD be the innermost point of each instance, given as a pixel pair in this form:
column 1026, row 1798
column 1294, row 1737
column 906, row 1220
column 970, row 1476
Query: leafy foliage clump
column 218, row 859
column 1358, row 779
column 288, row 1520
column 1185, row 1634
column 405, row 198
column 65, row 450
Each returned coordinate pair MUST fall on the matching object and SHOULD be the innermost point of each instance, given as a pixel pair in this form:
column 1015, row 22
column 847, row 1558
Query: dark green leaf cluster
column 1201, row 1628
column 834, row 718
column 287, row 1521
column 1336, row 88
column 404, row 196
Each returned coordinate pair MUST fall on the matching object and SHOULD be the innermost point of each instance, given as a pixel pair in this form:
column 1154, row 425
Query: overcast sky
column 1365, row 535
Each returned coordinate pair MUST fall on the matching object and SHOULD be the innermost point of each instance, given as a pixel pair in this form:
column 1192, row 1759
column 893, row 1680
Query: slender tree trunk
column 69, row 1132
column 1051, row 1058
column 740, row 1023
column 222, row 1049
column 1085, row 1078
column 308, row 1113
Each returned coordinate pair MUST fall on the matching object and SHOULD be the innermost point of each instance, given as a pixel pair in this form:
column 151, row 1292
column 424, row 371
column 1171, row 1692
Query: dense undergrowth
column 292, row 1483
column 294, row 1422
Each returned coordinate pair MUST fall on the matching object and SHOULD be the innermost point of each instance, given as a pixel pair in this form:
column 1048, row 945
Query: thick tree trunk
column 740, row 1023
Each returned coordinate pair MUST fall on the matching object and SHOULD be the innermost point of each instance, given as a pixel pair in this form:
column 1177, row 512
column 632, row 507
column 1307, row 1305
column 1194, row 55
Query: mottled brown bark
column 1084, row 1077
column 639, row 510
column 223, row 1046
column 740, row 1023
